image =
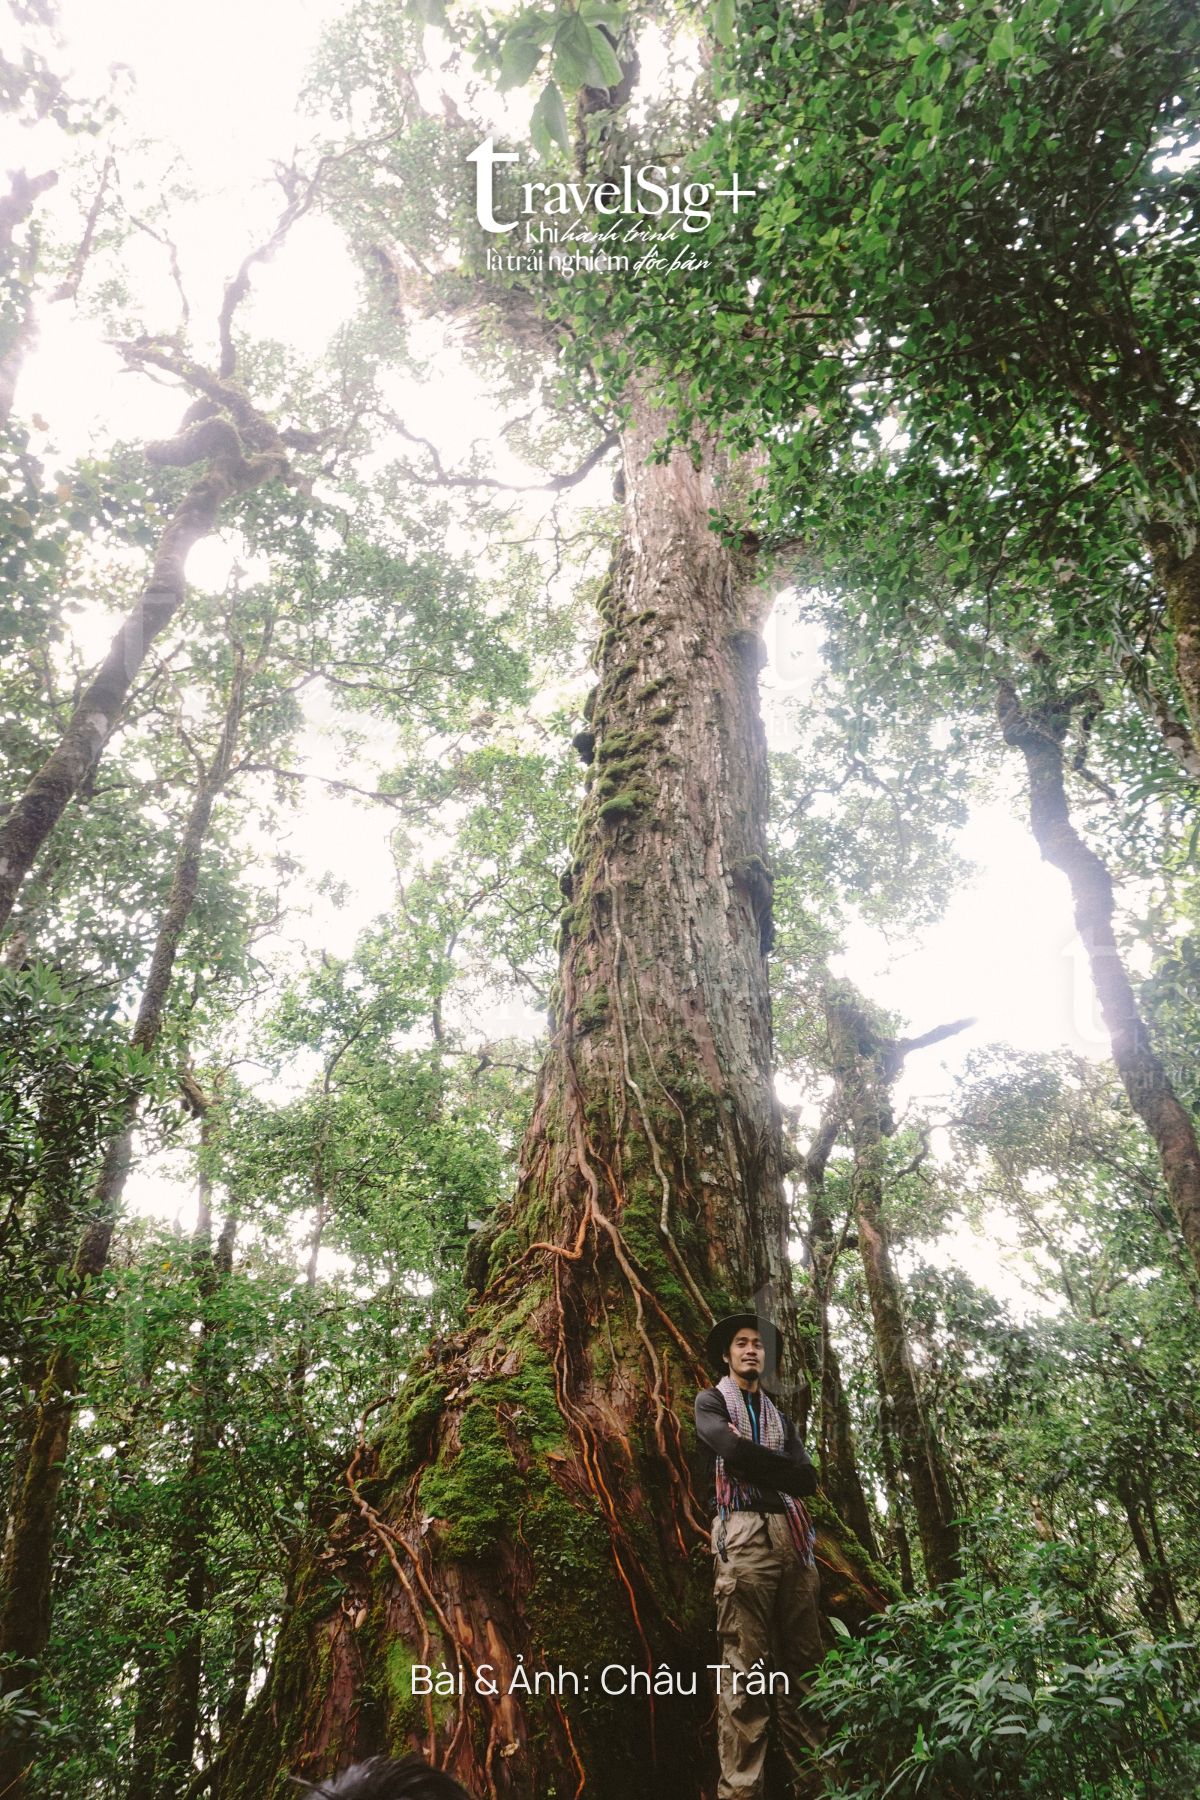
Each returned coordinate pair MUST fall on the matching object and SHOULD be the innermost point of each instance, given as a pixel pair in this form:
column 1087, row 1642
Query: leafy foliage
column 986, row 1690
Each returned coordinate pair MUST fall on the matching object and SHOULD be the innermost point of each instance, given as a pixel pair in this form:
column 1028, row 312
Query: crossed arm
column 788, row 1471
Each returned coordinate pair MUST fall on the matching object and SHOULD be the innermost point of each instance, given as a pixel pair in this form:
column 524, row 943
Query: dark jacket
column 770, row 1473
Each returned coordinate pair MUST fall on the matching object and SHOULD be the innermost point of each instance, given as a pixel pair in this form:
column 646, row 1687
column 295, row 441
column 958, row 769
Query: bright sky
column 219, row 87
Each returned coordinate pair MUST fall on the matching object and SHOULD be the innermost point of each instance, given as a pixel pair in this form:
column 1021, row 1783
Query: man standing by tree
column 766, row 1581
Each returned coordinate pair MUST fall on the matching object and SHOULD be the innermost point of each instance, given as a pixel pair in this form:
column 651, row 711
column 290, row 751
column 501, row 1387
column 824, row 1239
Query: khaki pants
column 767, row 1612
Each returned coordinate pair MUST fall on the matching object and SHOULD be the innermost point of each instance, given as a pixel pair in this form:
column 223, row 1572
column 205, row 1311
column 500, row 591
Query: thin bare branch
column 557, row 484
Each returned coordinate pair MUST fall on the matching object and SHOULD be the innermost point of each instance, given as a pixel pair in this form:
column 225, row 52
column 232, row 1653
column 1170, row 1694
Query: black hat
column 721, row 1336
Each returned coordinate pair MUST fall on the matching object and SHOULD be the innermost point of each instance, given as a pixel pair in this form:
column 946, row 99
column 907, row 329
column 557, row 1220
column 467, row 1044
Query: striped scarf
column 740, row 1496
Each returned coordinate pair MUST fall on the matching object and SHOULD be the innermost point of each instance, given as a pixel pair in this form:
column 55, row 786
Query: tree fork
column 531, row 1500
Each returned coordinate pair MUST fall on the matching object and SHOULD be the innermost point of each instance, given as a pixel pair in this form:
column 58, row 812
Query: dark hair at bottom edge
column 383, row 1779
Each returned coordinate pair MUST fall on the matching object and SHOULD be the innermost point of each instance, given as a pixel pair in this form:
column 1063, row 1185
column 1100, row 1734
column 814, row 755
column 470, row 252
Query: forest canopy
column 600, row 717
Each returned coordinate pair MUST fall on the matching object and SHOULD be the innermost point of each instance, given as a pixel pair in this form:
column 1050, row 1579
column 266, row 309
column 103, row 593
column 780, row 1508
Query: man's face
column 746, row 1354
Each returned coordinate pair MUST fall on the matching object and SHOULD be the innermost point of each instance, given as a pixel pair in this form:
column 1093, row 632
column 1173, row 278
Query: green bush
column 1000, row 1692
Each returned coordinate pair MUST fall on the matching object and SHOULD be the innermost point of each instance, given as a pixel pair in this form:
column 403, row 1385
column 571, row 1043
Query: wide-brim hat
column 721, row 1336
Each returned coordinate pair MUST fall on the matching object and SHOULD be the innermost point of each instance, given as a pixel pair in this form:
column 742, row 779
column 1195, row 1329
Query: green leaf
column 604, row 57
column 539, row 132
column 722, row 22
column 841, row 1629
column 549, row 121
column 538, row 27
column 1003, row 46
column 574, row 64
column 600, row 12
column 518, row 59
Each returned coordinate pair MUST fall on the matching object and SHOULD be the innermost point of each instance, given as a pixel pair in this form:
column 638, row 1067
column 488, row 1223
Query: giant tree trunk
column 534, row 1493
column 1039, row 732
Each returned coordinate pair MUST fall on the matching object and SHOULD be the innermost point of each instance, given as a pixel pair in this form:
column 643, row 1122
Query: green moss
column 620, row 744
column 663, row 715
column 604, row 598
column 619, row 771
column 575, row 920
column 533, row 1394
column 624, row 805
column 592, row 1010
column 475, row 1493
column 405, row 1710
column 640, row 1229
column 864, row 1564
column 575, row 1609
column 409, row 1431
column 505, row 1246
column 481, row 1491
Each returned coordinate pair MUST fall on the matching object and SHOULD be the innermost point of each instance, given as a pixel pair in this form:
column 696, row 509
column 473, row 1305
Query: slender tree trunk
column 1038, row 732
column 18, row 265
column 188, row 1579
column 230, row 470
column 1167, row 457
column 232, row 1709
column 25, row 1576
column 1157, row 1599
column 862, row 1082
column 1178, row 568
column 47, row 1220
column 897, row 1529
column 298, row 1373
column 533, row 1499
column 840, row 1476
column 1160, row 1553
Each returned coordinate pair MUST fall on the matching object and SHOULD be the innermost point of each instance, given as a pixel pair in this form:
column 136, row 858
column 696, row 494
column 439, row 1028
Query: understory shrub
column 1001, row 1692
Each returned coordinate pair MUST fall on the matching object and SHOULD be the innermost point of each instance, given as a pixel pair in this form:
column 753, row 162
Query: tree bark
column 860, row 1060
column 1038, row 732
column 27, row 1569
column 533, row 1499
